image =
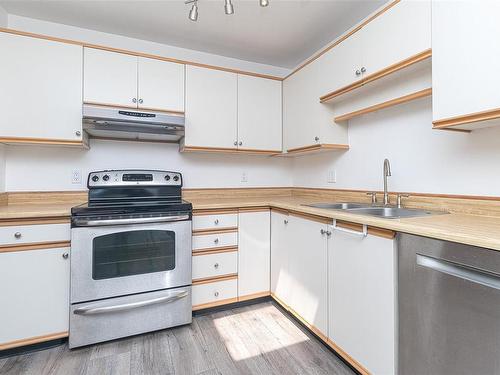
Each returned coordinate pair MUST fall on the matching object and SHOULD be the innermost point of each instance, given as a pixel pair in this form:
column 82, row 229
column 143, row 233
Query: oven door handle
column 88, row 310
column 139, row 220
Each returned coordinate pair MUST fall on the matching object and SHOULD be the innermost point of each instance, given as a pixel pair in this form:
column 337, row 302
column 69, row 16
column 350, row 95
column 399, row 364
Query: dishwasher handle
column 471, row 274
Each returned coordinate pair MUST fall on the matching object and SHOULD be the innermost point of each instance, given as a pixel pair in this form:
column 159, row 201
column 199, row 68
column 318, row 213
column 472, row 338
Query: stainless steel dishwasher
column 449, row 308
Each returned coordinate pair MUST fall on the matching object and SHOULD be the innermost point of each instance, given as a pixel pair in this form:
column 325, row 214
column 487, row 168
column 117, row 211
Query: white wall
column 3, row 17
column 31, row 168
column 118, row 41
column 422, row 159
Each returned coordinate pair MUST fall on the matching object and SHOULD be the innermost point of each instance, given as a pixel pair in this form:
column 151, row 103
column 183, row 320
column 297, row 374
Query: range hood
column 121, row 123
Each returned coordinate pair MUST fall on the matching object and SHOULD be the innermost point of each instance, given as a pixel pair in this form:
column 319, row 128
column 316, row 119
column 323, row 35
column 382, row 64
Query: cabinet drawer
column 219, row 292
column 213, row 265
column 23, row 234
column 209, row 222
column 208, row 241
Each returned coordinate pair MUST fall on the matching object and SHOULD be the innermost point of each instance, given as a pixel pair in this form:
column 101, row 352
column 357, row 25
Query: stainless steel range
column 131, row 256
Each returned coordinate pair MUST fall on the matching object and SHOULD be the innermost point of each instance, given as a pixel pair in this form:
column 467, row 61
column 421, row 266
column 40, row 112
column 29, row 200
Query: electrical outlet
column 332, row 177
column 244, row 177
column 76, row 176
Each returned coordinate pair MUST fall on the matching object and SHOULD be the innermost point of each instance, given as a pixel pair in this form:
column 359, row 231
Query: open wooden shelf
column 377, row 75
column 314, row 149
column 387, row 104
column 220, row 150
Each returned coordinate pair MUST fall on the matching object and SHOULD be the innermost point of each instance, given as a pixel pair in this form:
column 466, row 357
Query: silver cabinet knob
column 327, row 232
column 141, row 101
column 216, row 294
column 363, row 69
column 285, row 221
column 78, row 133
column 65, row 255
column 322, row 231
column 134, row 100
column 18, row 235
column 358, row 72
column 216, row 222
column 236, row 143
column 241, row 143
column 316, row 139
column 216, row 241
column 216, row 265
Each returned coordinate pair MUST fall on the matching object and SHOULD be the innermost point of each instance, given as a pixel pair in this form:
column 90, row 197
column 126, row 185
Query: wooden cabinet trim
column 134, row 53
column 315, row 148
column 280, row 211
column 33, row 340
column 215, row 251
column 42, row 141
column 204, row 232
column 491, row 114
column 386, row 104
column 41, row 221
column 228, row 150
column 215, row 304
column 377, row 75
column 253, row 209
column 209, row 280
column 222, row 211
column 254, row 296
column 348, row 358
column 133, row 107
column 35, row 246
column 311, row 217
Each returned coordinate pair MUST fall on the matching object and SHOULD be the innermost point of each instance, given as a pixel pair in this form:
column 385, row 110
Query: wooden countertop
column 476, row 230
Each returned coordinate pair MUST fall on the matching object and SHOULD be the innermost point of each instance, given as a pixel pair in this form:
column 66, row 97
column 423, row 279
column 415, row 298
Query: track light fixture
column 193, row 13
column 228, row 7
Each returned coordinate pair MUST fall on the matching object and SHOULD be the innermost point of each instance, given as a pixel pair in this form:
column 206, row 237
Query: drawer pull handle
column 216, row 294
column 216, row 241
column 216, row 265
column 216, row 222
column 65, row 255
column 18, row 235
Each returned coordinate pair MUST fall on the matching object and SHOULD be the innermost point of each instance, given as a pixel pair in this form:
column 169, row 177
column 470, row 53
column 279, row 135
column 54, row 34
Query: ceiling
column 282, row 34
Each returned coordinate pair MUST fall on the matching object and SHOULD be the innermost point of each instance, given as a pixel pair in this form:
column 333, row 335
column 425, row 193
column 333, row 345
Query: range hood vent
column 121, row 123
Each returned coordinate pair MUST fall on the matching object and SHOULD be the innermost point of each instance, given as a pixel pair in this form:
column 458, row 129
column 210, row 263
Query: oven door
column 117, row 260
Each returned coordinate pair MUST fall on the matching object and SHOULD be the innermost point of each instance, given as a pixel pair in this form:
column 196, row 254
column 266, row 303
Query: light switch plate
column 244, row 177
column 332, row 176
column 76, row 176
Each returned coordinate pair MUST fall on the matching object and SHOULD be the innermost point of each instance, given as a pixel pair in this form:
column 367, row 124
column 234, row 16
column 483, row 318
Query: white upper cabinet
column 465, row 58
column 254, row 253
column 259, row 113
column 211, row 108
column 40, row 89
column 362, row 288
column 110, row 78
column 129, row 81
column 401, row 32
column 161, row 85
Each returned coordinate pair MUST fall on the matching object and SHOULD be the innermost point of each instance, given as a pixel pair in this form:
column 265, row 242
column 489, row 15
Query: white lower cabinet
column 34, row 288
column 362, row 285
column 214, row 293
column 254, row 253
column 280, row 277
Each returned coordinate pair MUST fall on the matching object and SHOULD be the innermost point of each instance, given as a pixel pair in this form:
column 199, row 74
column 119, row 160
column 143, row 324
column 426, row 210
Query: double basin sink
column 386, row 212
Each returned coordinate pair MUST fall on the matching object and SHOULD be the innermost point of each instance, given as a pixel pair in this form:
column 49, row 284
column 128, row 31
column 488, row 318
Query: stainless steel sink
column 338, row 206
column 393, row 212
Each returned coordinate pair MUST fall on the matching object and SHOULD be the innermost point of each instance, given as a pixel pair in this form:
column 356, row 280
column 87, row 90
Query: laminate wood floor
column 256, row 339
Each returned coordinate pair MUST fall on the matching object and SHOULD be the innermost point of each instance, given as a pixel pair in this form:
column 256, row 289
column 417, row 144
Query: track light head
column 193, row 13
column 228, row 7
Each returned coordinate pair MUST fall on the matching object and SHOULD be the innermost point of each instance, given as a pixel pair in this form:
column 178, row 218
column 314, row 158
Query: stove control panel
column 123, row 178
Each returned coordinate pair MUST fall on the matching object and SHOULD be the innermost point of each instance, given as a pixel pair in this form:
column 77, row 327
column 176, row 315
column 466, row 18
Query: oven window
column 132, row 253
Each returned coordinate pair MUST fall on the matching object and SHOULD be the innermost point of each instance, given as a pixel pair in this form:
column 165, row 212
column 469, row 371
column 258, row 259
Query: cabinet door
column 259, row 113
column 110, row 78
column 211, row 108
column 41, row 88
column 280, row 251
column 465, row 59
column 160, row 85
column 401, row 32
column 362, row 299
column 34, row 286
column 308, row 270
column 254, row 253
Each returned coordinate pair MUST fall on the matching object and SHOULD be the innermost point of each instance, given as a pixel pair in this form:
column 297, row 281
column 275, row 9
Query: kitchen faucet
column 387, row 173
